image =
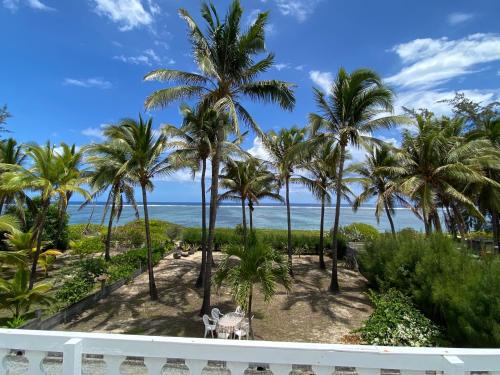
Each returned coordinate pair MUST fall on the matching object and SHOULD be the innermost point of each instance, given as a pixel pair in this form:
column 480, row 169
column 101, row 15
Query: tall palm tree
column 242, row 179
column 322, row 178
column 11, row 153
column 107, row 160
column 46, row 175
column 377, row 180
column 145, row 149
column 347, row 113
column 264, row 189
column 258, row 264
column 4, row 115
column 226, row 58
column 286, row 150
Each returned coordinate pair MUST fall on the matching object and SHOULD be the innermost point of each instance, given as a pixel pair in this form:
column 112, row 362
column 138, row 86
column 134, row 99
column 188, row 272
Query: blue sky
column 68, row 67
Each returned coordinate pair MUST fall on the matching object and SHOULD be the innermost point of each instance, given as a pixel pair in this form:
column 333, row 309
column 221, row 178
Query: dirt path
column 308, row 313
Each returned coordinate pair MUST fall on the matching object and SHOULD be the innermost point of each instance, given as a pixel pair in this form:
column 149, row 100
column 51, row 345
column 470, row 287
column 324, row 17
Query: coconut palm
column 107, row 160
column 226, row 59
column 10, row 224
column 242, row 179
column 377, row 181
column 194, row 144
column 322, row 169
column 257, row 264
column 264, row 189
column 46, row 175
column 145, row 150
column 17, row 296
column 4, row 115
column 354, row 107
column 11, row 153
column 286, row 150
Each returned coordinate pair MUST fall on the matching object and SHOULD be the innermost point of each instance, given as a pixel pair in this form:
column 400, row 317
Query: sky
column 71, row 67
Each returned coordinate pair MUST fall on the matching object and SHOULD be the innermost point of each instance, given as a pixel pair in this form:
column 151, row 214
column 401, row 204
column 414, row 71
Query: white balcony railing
column 34, row 349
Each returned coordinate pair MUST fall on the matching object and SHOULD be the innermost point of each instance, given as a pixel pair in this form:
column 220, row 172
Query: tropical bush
column 55, row 232
column 132, row 234
column 450, row 286
column 124, row 265
column 87, row 245
column 359, row 232
column 78, row 231
column 73, row 290
column 396, row 321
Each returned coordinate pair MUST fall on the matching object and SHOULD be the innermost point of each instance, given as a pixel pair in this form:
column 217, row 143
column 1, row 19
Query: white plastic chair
column 239, row 310
column 216, row 314
column 208, row 326
column 244, row 329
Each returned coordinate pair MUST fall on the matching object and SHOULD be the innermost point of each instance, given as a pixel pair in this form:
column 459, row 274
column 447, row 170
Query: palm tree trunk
column 289, row 224
column 249, row 313
column 458, row 220
column 389, row 217
column 199, row 280
column 426, row 221
column 334, row 282
column 153, row 292
column 39, row 234
column 436, row 221
column 496, row 230
column 107, row 245
column 244, row 218
column 214, row 195
column 90, row 218
column 250, row 212
column 321, row 231
column 2, row 201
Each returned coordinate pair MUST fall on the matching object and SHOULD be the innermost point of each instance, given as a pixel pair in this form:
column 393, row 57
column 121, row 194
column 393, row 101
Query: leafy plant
column 87, row 245
column 73, row 290
column 79, row 231
column 396, row 322
column 359, row 232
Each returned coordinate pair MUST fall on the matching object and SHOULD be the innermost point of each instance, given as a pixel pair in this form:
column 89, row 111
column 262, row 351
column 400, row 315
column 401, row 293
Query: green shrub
column 78, row 231
column 359, row 232
column 91, row 268
column 449, row 285
column 87, row 245
column 55, row 232
column 124, row 265
column 396, row 322
column 132, row 235
column 73, row 290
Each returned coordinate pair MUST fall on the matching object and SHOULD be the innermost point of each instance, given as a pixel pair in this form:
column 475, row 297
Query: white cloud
column 148, row 57
column 432, row 100
column 13, row 5
column 129, row 14
column 88, row 83
column 322, row 79
column 430, row 62
column 281, row 66
column 258, row 150
column 94, row 132
column 457, row 18
column 299, row 9
column 299, row 67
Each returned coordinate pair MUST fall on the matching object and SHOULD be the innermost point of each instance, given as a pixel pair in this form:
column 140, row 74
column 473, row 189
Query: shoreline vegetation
column 427, row 288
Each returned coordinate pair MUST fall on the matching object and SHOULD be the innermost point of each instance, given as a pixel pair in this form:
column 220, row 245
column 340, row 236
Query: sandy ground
column 307, row 314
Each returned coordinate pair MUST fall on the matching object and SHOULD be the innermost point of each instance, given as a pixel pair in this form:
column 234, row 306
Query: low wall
column 77, row 308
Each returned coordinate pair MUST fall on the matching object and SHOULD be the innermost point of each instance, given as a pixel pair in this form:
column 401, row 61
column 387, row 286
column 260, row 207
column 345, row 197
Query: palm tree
column 226, row 59
column 347, row 113
column 241, row 178
column 11, row 153
column 45, row 174
column 377, row 181
column 286, row 151
column 258, row 264
column 10, row 224
column 4, row 115
column 146, row 159
column 16, row 295
column 323, row 168
column 437, row 165
column 264, row 189
column 107, row 160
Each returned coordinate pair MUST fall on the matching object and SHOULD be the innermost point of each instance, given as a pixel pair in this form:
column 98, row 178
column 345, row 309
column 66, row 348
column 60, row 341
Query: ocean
column 304, row 216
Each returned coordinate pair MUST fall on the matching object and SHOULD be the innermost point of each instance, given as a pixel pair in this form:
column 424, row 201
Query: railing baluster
column 113, row 363
column 280, row 369
column 35, row 359
column 3, row 360
column 412, row 372
column 367, row 371
column 456, row 365
column 237, row 368
column 154, row 365
column 323, row 370
column 195, row 366
column 72, row 357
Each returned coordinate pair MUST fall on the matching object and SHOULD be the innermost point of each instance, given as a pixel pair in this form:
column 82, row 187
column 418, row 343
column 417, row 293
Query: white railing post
column 195, row 366
column 367, row 371
column 236, row 368
column 323, row 370
column 3, row 360
column 154, row 365
column 280, row 369
column 113, row 364
column 35, row 359
column 72, row 357
column 456, row 365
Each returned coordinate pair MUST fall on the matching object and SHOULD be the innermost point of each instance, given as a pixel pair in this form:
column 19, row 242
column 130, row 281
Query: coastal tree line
column 446, row 169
